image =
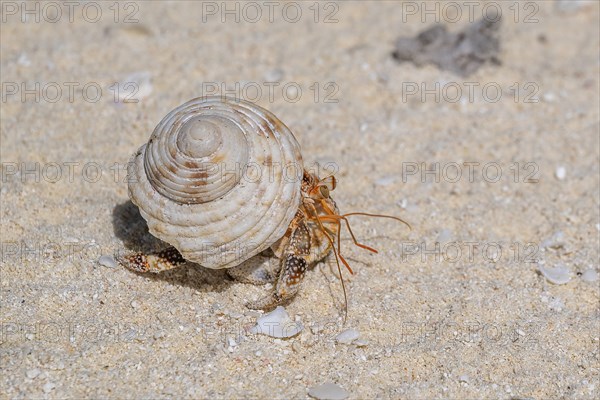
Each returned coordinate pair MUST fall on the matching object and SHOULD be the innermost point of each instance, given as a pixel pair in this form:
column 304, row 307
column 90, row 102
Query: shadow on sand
column 131, row 228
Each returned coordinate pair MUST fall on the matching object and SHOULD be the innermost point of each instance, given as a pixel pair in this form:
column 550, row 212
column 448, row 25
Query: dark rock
column 462, row 52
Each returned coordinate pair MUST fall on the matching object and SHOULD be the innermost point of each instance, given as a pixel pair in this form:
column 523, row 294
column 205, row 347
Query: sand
column 472, row 318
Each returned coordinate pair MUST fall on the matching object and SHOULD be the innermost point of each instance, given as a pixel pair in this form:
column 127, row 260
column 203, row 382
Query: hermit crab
column 221, row 180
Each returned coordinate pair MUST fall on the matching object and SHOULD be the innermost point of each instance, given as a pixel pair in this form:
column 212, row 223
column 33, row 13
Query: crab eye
column 329, row 182
column 324, row 190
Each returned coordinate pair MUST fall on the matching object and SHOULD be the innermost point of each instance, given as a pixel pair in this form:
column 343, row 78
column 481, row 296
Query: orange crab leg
column 339, row 250
column 332, row 216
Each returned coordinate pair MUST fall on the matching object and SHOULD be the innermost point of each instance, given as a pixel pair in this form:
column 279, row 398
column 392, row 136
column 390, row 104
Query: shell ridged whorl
column 219, row 179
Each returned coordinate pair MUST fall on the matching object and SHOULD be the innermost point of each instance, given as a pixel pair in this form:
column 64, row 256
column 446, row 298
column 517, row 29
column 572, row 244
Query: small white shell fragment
column 277, row 324
column 107, row 261
column 33, row 373
column 569, row 5
column 549, row 97
column 347, row 336
column 47, row 388
column 24, row 60
column 590, row 275
column 558, row 275
column 556, row 304
column 274, row 75
column 328, row 391
column 231, row 341
column 444, row 236
column 560, row 173
column 135, row 87
column 386, row 180
column 555, row 241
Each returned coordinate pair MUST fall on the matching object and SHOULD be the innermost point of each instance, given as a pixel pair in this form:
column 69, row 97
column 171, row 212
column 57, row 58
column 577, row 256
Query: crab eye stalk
column 324, row 191
column 330, row 182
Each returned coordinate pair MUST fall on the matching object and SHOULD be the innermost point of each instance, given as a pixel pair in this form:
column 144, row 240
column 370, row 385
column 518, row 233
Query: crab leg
column 163, row 260
column 293, row 268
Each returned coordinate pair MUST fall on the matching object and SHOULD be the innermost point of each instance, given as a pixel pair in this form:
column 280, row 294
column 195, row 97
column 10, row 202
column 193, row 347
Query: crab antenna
column 378, row 216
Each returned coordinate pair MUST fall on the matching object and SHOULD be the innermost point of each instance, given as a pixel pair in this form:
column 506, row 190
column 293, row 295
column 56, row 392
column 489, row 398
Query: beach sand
column 497, row 173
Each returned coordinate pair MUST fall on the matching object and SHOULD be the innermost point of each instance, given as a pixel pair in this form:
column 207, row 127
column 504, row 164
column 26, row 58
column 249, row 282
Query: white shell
column 219, row 180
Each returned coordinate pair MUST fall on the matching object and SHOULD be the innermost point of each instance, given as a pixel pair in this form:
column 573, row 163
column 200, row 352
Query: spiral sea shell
column 219, row 180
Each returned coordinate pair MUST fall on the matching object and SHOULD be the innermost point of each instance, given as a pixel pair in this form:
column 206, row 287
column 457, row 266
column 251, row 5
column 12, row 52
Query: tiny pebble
column 347, row 336
column 135, row 304
column 231, row 342
column 48, row 387
column 32, row 373
column 361, row 343
column 274, row 75
column 556, row 304
column 560, row 173
column 558, row 275
column 292, row 92
column 464, row 378
column 328, row 391
column 107, row 261
column 590, row 275
column 252, row 314
column 296, row 346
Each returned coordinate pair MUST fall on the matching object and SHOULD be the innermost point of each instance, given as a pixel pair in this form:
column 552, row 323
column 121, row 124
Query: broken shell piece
column 348, row 336
column 277, row 324
column 329, row 391
column 107, row 261
column 558, row 275
column 557, row 240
